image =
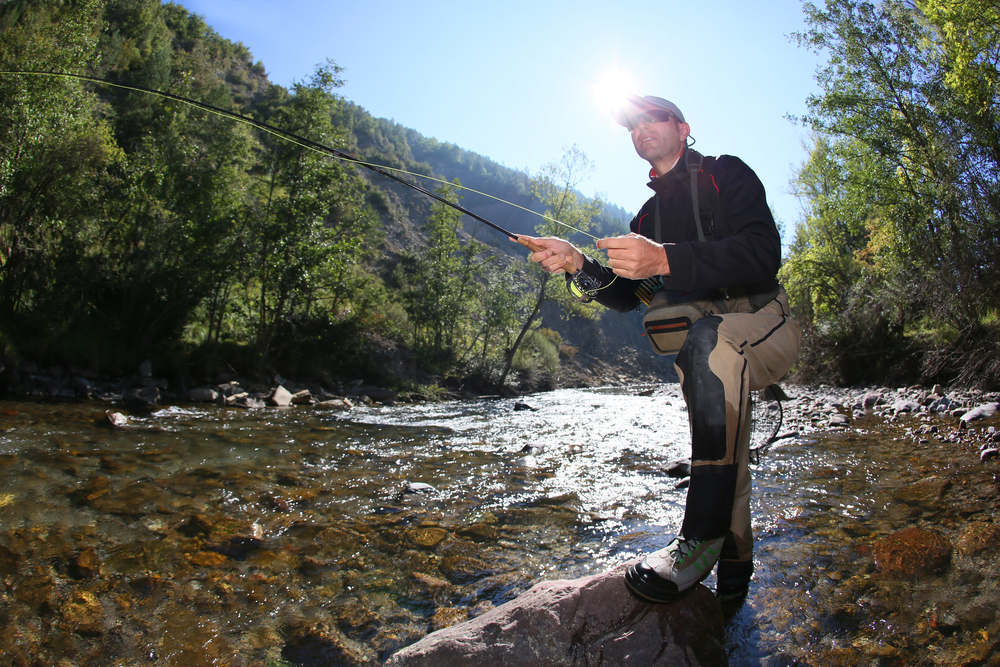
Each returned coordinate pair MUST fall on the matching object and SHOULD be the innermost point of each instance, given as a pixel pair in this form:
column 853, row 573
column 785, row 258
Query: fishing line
column 323, row 149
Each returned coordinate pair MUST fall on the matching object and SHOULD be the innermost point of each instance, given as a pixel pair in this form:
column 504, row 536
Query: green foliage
column 902, row 192
column 565, row 209
column 438, row 289
column 538, row 353
column 304, row 228
column 134, row 226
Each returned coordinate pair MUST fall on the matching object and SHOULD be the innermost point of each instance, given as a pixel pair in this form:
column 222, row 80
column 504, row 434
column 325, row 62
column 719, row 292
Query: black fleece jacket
column 745, row 252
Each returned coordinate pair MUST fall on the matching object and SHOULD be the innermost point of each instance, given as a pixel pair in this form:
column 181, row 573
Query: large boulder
column 592, row 622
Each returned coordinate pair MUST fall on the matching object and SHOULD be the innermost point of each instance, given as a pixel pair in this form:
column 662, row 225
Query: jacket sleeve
column 748, row 251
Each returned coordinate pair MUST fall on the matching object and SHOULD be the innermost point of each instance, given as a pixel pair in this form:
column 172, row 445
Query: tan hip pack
column 667, row 324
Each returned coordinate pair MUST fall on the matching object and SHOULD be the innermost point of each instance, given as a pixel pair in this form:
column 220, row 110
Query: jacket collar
column 674, row 178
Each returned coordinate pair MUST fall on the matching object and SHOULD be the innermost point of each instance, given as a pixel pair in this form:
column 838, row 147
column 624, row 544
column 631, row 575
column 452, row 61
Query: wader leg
column 724, row 358
column 736, row 561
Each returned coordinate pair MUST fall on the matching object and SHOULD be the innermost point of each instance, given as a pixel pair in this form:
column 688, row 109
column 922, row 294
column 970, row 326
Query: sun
column 611, row 87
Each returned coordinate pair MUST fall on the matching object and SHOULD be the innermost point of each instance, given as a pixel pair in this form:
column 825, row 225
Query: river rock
column 912, row 552
column 143, row 395
column 942, row 404
column 322, row 644
column 335, row 404
column 982, row 412
column 303, row 397
column 593, row 621
column 133, row 500
column 840, row 421
column 84, row 613
column 871, row 399
column 418, row 487
column 924, row 492
column 979, row 539
column 86, row 564
column 905, row 406
column 116, row 419
column 204, row 395
column 427, row 536
column 680, row 468
column 281, row 397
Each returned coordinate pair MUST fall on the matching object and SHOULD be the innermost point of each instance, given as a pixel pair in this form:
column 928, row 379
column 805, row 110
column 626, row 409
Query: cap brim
column 630, row 108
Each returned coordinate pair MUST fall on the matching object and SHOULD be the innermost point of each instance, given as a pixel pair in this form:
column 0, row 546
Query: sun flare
column 610, row 89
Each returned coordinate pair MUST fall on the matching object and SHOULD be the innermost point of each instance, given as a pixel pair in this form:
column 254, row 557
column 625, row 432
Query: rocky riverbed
column 910, row 578
column 133, row 556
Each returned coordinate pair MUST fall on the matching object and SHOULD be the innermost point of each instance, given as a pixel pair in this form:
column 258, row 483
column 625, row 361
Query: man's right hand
column 557, row 254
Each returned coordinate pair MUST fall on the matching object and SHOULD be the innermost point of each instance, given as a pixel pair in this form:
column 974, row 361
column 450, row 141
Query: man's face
column 659, row 137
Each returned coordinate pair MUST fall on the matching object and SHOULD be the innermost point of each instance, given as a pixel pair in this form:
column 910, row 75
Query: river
column 212, row 536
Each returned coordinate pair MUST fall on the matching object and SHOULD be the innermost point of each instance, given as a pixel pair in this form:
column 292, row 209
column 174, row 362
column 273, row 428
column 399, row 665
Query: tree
column 919, row 159
column 306, row 228
column 437, row 285
column 53, row 150
column 555, row 187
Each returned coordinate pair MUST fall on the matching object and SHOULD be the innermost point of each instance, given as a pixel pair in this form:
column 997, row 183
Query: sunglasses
column 651, row 116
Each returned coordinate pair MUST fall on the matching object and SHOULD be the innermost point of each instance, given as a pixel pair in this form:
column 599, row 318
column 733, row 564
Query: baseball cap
column 633, row 105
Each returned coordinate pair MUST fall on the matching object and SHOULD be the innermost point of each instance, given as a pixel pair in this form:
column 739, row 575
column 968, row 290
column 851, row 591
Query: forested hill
column 492, row 187
column 135, row 227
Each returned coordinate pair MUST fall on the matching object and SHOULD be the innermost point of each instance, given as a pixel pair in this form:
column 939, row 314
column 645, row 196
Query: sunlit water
column 223, row 533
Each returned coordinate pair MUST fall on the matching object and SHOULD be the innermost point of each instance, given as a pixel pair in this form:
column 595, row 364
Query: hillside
column 137, row 227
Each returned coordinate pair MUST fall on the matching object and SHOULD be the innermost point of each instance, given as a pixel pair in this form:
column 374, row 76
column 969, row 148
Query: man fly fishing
column 703, row 255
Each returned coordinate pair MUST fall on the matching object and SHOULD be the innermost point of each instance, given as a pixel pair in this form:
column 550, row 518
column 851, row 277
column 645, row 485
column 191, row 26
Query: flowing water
column 210, row 536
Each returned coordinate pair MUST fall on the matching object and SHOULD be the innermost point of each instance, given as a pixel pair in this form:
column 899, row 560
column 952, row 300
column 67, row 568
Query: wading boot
column 671, row 573
column 732, row 585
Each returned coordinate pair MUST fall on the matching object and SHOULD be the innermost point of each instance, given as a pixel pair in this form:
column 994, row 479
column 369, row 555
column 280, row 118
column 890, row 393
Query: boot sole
column 636, row 587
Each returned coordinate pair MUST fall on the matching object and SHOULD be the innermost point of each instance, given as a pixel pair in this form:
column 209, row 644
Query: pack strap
column 693, row 169
column 694, row 166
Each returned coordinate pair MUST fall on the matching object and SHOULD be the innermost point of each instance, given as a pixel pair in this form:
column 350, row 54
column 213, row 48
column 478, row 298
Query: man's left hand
column 635, row 257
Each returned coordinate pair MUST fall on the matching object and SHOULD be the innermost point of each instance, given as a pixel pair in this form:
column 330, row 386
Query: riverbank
column 147, row 388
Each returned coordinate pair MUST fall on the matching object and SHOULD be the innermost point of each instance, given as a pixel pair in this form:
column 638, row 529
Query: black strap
column 693, row 169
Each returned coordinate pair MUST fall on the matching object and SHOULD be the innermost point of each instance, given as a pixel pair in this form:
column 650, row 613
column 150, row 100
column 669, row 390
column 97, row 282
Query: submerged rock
column 924, row 492
column 979, row 539
column 83, row 613
column 912, row 553
column 590, row 621
column 321, row 644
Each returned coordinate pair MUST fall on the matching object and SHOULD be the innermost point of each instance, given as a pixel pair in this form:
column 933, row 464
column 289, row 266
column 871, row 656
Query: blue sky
column 519, row 80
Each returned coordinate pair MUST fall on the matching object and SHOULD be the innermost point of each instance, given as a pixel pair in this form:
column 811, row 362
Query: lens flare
column 610, row 89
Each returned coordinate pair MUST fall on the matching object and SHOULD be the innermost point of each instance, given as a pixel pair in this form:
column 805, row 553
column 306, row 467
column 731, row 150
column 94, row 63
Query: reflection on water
column 217, row 536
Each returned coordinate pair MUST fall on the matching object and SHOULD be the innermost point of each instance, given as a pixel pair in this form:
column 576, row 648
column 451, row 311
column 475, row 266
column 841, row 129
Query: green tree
column 306, row 228
column 53, row 153
column 438, row 287
column 555, row 186
column 922, row 161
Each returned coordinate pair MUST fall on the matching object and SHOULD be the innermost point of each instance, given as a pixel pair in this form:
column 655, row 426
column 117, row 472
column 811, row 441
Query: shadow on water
column 223, row 537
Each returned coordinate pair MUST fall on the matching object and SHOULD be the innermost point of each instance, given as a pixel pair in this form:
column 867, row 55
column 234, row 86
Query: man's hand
column 635, row 257
column 558, row 255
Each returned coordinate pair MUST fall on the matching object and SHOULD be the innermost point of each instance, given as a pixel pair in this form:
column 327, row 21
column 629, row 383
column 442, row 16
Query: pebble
column 840, row 421
column 419, row 487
